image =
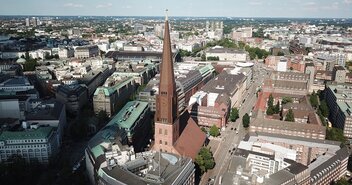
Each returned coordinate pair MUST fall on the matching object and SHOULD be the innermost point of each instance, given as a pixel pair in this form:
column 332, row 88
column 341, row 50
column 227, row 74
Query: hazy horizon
column 181, row 8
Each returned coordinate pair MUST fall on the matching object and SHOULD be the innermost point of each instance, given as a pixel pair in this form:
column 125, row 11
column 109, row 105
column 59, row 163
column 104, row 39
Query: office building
column 142, row 72
column 135, row 119
column 16, row 84
column 208, row 109
column 87, row 51
column 66, row 52
column 339, row 100
column 313, row 131
column 189, row 79
column 110, row 161
column 339, row 74
column 48, row 113
column 73, row 96
column 227, row 54
column 30, row 141
column 113, row 95
column 290, row 83
column 242, row 33
column 274, row 159
column 230, row 83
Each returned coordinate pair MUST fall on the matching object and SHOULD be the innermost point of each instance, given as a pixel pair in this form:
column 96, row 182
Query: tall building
column 339, row 100
column 27, row 22
column 174, row 132
column 34, row 21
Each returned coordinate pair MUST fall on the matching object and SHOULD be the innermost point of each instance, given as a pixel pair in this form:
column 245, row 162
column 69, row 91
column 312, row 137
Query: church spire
column 167, row 99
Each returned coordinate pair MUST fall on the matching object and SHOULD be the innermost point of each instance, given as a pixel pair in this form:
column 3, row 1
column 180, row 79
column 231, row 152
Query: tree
column 234, row 114
column 271, row 101
column 30, row 65
column 342, row 181
column 290, row 116
column 204, row 160
column 286, row 100
column 204, row 130
column 335, row 134
column 323, row 107
column 241, row 44
column 214, row 131
column 271, row 109
column 246, row 120
column 280, row 53
column 277, row 107
column 184, row 53
column 213, row 58
column 203, row 57
column 314, row 100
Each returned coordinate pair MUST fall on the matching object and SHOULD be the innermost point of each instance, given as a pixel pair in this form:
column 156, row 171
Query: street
column 230, row 138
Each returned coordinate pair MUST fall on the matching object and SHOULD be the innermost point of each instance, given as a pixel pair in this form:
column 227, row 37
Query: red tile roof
column 191, row 140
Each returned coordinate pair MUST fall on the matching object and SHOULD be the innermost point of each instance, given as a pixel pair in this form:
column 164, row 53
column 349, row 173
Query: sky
column 207, row 8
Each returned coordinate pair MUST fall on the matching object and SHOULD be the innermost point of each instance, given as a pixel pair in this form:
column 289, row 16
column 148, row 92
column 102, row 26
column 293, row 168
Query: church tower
column 175, row 132
column 166, row 117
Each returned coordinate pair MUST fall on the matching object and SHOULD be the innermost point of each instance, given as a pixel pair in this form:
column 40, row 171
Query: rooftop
column 171, row 167
column 15, row 81
column 129, row 114
column 46, row 111
column 225, row 50
column 285, row 125
column 39, row 133
column 224, row 83
column 112, row 85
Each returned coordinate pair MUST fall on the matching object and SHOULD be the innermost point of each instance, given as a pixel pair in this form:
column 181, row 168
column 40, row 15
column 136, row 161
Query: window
column 165, row 132
column 160, row 142
column 165, row 142
column 160, row 131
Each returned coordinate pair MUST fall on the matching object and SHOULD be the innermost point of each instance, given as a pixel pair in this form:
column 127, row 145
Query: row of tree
column 276, row 109
column 271, row 108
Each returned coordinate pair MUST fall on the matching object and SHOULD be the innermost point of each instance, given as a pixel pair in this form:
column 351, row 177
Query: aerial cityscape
column 176, row 92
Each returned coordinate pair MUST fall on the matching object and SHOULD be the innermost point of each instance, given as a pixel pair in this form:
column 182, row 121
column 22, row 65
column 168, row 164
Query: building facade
column 32, row 144
column 208, row 109
column 86, row 51
column 113, row 95
column 339, row 100
column 135, row 119
column 73, row 96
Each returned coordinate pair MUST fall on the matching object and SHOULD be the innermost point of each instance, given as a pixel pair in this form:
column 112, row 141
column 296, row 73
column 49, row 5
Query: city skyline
column 196, row 8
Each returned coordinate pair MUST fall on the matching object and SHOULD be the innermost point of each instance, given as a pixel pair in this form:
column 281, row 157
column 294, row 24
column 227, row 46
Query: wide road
column 230, row 137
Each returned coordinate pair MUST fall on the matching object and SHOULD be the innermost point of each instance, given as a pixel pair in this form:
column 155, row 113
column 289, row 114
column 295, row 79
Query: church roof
column 191, row 139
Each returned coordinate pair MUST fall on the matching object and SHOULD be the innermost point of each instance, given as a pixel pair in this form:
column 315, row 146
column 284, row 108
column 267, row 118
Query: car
column 235, row 128
column 236, row 132
column 231, row 128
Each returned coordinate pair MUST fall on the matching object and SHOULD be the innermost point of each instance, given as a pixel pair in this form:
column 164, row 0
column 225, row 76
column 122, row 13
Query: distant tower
column 207, row 25
column 34, row 20
column 27, row 22
column 166, row 122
